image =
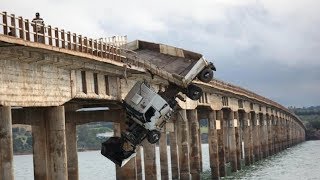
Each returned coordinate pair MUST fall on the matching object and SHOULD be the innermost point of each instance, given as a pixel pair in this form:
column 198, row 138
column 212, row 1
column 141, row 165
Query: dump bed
column 177, row 65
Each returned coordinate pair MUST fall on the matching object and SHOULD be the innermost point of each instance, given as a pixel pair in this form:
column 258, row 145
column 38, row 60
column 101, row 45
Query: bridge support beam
column 174, row 149
column 243, row 116
column 139, row 164
column 150, row 167
column 255, row 136
column 213, row 145
column 163, row 154
column 194, row 144
column 221, row 145
column 72, row 155
column 238, row 137
column 183, row 145
column 39, row 136
column 232, row 139
column 264, row 136
column 56, row 143
column 6, row 146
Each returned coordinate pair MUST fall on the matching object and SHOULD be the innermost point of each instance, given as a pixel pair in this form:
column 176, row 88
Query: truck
column 147, row 110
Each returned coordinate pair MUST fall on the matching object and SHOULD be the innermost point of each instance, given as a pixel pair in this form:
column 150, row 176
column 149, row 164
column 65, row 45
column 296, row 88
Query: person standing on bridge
column 38, row 27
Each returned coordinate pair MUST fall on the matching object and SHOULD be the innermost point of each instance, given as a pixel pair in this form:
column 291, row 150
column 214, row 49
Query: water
column 299, row 162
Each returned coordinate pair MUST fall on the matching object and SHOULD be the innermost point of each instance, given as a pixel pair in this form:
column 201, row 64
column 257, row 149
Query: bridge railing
column 29, row 31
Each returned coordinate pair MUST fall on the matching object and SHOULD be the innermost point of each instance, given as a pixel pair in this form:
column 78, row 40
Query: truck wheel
column 194, row 92
column 153, row 136
column 206, row 75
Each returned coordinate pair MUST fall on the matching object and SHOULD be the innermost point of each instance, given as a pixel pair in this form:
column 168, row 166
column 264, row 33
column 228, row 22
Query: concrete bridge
column 46, row 77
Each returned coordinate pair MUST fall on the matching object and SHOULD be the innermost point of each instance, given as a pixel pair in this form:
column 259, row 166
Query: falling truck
column 147, row 110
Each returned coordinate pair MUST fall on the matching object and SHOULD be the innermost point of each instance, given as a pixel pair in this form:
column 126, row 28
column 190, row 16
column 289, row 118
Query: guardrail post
column 80, row 43
column 5, row 23
column 69, row 40
column 50, row 35
column 85, row 42
column 63, row 40
column 75, row 44
column 56, row 32
column 21, row 28
column 95, row 48
column 13, row 24
column 27, row 27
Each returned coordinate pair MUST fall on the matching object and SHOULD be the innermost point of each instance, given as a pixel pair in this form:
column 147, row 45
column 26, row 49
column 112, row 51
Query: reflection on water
column 298, row 162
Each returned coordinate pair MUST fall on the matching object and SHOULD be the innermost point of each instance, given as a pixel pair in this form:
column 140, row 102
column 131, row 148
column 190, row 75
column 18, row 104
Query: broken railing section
column 53, row 36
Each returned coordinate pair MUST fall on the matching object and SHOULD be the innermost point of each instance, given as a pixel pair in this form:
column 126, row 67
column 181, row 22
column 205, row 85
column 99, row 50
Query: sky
column 271, row 47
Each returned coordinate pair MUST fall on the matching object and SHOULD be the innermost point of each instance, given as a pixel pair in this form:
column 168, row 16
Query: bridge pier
column 39, row 136
column 194, row 144
column 139, row 164
column 213, row 145
column 183, row 145
column 174, row 149
column 6, row 146
column 255, row 136
column 163, row 154
column 238, row 137
column 221, row 144
column 72, row 155
column 56, row 144
column 243, row 116
column 150, row 167
column 232, row 139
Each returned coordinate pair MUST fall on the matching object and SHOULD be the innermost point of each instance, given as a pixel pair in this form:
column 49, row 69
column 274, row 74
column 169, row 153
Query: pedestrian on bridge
column 38, row 27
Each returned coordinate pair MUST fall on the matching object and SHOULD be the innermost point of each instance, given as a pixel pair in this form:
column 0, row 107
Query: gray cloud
column 268, row 46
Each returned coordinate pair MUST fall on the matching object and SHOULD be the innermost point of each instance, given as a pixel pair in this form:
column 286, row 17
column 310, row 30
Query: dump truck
column 178, row 66
column 148, row 110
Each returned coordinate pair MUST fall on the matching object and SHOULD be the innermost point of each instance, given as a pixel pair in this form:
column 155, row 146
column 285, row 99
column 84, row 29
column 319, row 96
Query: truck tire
column 153, row 136
column 206, row 75
column 194, row 92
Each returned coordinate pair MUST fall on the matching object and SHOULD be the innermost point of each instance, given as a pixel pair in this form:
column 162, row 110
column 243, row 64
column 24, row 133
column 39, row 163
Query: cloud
column 269, row 46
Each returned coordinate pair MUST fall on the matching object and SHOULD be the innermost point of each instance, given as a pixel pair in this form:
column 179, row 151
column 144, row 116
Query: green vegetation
column 311, row 119
column 22, row 140
column 87, row 135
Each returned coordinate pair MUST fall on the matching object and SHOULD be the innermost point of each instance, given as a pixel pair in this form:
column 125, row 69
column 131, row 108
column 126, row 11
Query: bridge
column 46, row 77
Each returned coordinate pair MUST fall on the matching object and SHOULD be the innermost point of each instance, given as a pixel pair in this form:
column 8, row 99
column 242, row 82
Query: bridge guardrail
column 24, row 29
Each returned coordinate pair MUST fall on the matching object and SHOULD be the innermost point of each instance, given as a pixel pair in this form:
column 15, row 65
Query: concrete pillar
column 221, row 145
column 255, row 136
column 276, row 134
column 238, row 137
column 150, row 167
column 163, row 154
column 261, row 135
column 269, row 127
column 40, row 167
column 213, row 145
column 183, row 144
column 194, row 144
column 128, row 171
column 264, row 136
column 174, row 150
column 226, row 137
column 6, row 146
column 232, row 140
column 72, row 151
column 139, row 164
column 246, row 134
column 56, row 143
column 251, row 147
